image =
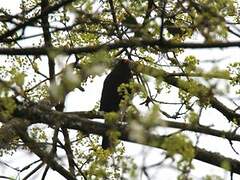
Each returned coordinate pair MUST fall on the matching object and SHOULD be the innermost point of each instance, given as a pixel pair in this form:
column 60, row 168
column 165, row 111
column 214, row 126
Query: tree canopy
column 185, row 89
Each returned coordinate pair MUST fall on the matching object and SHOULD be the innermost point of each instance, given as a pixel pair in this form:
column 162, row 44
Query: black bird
column 110, row 100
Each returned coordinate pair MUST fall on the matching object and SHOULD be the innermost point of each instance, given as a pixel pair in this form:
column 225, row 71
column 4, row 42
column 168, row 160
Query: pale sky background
column 81, row 101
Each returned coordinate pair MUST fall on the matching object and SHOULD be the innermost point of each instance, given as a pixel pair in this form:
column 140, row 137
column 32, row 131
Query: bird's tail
column 106, row 142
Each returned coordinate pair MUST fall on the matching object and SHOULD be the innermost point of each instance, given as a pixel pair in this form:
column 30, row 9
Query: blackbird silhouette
column 110, row 99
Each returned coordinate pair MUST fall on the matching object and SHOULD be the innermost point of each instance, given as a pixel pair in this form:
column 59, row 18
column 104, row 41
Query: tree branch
column 200, row 91
column 48, row 10
column 134, row 43
column 47, row 39
column 20, row 128
column 37, row 114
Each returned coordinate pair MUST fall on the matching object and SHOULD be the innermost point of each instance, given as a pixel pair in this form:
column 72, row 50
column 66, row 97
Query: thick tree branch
column 47, row 39
column 51, row 65
column 37, row 114
column 116, row 45
column 231, row 136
